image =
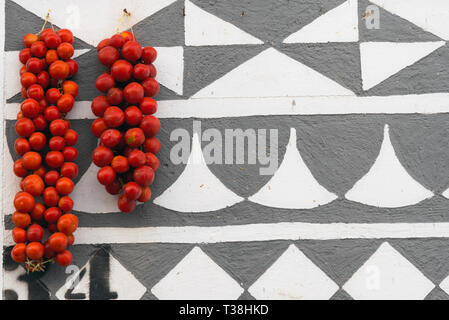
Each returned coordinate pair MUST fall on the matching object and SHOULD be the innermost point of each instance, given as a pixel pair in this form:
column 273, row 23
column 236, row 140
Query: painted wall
column 358, row 207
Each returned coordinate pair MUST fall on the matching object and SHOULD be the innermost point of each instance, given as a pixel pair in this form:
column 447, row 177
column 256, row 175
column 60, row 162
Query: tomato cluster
column 46, row 147
column 126, row 125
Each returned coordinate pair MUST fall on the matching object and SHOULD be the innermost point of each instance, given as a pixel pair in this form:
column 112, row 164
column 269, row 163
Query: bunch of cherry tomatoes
column 126, row 126
column 46, row 147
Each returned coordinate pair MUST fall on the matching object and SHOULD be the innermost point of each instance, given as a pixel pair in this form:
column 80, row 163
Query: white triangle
column 340, row 24
column 381, row 60
column 197, row 189
column 293, row 277
column 387, row 184
column 93, row 21
column 272, row 74
column 205, row 29
column 124, row 282
column 170, row 67
column 293, row 185
column 387, row 275
column 197, row 277
column 430, row 15
column 87, row 192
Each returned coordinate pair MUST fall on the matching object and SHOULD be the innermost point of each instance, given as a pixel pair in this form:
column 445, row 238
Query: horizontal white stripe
column 431, row 103
column 258, row 232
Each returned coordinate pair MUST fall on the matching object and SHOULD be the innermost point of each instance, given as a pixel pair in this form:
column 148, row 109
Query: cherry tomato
column 18, row 253
column 19, row 235
column 111, row 138
column 73, row 69
column 51, row 56
column 37, row 141
column 126, row 205
column 114, row 117
column 151, row 87
column 34, row 65
column 48, row 253
column 115, row 96
column 134, row 93
column 38, row 212
column 132, row 51
column 29, row 39
column 53, row 41
column 35, row 250
column 98, row 127
column 149, row 55
column 64, row 258
column 22, row 146
column 52, row 214
column 102, row 156
column 58, row 242
column 148, row 106
column 108, row 55
column 59, row 127
column 68, row 224
column 51, row 197
column 54, row 159
column 132, row 191
column 141, row 71
column 152, row 145
column 21, row 220
column 32, row 160
column 117, row 41
column 43, row 78
column 27, row 79
column 133, row 116
column 65, row 51
column 19, row 170
column 66, row 35
column 105, row 82
column 34, row 185
column 106, row 176
column 99, row 105
column 137, row 158
column 122, row 70
column 65, row 103
column 59, row 70
column 120, row 164
column 144, row 176
column 57, row 144
column 35, row 233
column 114, row 188
column 53, row 95
column 52, row 113
column 152, row 161
column 103, row 44
column 69, row 170
column 70, row 87
column 24, row 127
column 70, row 154
column 146, row 195
column 66, row 204
column 65, row 186
column 39, row 49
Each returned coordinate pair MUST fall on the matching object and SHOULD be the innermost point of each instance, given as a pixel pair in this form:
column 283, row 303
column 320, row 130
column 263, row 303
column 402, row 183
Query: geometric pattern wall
column 359, row 206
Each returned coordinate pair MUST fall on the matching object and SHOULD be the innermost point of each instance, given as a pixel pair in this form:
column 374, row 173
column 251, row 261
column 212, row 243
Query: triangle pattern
column 293, row 185
column 206, row 64
column 205, row 29
column 259, row 256
column 388, row 275
column 376, row 68
column 197, row 189
column 29, row 23
column 337, row 25
column 293, row 277
column 339, row 62
column 170, row 67
column 391, row 27
column 83, row 20
column 388, row 184
column 288, row 78
column 165, row 28
column 197, row 277
column 430, row 15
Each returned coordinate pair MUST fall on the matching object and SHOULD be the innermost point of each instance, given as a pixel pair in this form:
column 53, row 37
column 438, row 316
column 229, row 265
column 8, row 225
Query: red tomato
column 21, row 220
column 132, row 191
column 22, row 146
column 132, row 51
column 65, row 186
column 135, row 137
column 146, row 195
column 144, row 176
column 106, row 176
column 108, row 55
column 58, row 242
column 34, row 185
column 35, row 233
column 122, row 71
column 38, row 212
column 18, row 253
column 51, row 197
column 134, row 93
column 99, row 105
column 125, row 205
column 52, row 215
column 24, row 127
column 64, row 258
column 102, row 156
column 38, row 140
column 150, row 126
column 120, row 164
column 148, row 106
column 133, row 116
column 54, row 159
column 68, row 224
column 111, row 138
column 137, row 158
column 35, row 250
column 19, row 235
column 66, row 204
column 149, row 55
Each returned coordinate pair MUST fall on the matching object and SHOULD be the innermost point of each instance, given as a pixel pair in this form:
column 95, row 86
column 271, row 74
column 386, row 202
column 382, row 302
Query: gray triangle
column 149, row 263
column 430, row 256
column 15, row 99
column 167, row 94
column 269, row 21
column 428, row 75
column 163, row 29
column 204, row 65
column 245, row 262
column 391, row 28
column 339, row 259
column 437, row 294
column 337, row 61
column 149, row 296
column 421, row 146
column 246, row 296
column 341, row 295
column 19, row 21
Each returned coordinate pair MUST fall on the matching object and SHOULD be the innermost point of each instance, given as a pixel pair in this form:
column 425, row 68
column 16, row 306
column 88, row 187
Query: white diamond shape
column 293, row 277
column 197, row 277
column 445, row 285
column 387, row 275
